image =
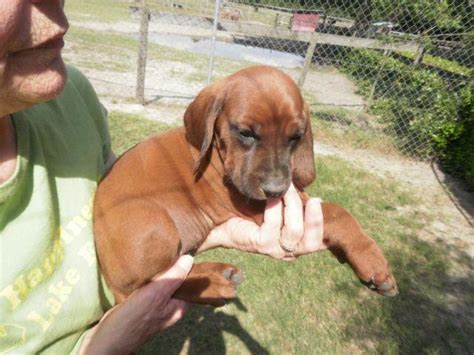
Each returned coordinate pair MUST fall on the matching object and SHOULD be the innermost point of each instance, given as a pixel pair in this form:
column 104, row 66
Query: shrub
column 458, row 157
column 426, row 116
column 415, row 104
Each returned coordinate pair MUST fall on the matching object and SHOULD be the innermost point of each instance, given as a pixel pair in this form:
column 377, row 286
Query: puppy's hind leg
column 133, row 247
column 135, row 241
column 211, row 283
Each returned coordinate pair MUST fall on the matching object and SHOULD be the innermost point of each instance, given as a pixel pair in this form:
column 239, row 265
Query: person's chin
column 46, row 84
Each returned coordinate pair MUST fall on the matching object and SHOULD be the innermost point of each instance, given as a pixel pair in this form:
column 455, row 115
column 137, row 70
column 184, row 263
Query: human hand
column 285, row 224
column 146, row 312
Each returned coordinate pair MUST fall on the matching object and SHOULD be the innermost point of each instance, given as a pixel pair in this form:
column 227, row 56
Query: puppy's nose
column 274, row 188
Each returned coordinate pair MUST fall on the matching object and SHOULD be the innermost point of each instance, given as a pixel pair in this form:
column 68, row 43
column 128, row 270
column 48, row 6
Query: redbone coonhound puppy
column 246, row 138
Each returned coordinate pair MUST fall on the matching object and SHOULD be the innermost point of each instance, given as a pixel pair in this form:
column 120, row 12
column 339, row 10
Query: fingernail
column 186, row 262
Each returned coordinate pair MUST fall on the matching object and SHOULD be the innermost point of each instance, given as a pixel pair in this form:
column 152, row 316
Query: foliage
column 415, row 103
column 458, row 158
column 412, row 16
column 421, row 15
column 426, row 115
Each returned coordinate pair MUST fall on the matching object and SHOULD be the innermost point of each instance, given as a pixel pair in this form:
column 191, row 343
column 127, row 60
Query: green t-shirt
column 51, row 289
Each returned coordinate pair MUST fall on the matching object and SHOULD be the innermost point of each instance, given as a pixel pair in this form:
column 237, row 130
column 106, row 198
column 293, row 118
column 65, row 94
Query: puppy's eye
column 295, row 138
column 247, row 135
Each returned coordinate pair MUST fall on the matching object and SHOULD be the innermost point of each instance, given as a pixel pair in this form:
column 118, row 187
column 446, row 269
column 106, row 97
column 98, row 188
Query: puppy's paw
column 386, row 288
column 235, row 276
column 373, row 270
column 211, row 283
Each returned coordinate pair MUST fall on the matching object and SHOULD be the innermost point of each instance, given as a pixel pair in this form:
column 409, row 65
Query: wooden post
column 277, row 20
column 386, row 53
column 142, row 53
column 308, row 58
column 420, row 52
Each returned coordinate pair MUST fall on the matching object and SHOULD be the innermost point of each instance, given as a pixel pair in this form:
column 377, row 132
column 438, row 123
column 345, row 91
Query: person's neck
column 8, row 150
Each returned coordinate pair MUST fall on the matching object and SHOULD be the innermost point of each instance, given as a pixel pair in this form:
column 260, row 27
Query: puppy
column 246, row 138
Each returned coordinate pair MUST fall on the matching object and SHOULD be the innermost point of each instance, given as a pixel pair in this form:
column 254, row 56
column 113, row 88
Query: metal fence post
column 142, row 53
column 213, row 42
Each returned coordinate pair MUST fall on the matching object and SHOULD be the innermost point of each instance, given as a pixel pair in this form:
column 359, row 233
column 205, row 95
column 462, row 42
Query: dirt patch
column 331, row 88
column 327, row 85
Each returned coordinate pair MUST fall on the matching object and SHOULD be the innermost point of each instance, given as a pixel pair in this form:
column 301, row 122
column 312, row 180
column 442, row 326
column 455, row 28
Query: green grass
column 315, row 305
column 127, row 130
column 110, row 10
column 103, row 10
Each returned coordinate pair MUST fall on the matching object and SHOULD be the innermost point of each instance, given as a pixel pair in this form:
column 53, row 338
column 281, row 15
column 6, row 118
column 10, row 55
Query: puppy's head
column 260, row 126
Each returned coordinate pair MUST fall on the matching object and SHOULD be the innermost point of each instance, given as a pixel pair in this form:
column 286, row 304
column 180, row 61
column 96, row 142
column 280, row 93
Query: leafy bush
column 425, row 115
column 416, row 105
column 458, row 157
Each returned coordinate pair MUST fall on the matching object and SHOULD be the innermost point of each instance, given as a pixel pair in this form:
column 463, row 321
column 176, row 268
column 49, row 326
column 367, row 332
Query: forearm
column 95, row 343
column 146, row 312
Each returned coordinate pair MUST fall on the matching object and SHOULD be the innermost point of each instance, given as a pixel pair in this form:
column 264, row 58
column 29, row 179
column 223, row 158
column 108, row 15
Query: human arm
column 146, row 312
column 285, row 223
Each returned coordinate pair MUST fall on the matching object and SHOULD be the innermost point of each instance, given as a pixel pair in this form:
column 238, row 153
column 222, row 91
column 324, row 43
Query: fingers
column 294, row 227
column 313, row 228
column 290, row 226
column 291, row 231
column 272, row 218
column 168, row 282
column 266, row 238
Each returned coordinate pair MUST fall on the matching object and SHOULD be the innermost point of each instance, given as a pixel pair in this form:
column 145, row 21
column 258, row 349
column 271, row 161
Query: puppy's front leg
column 345, row 238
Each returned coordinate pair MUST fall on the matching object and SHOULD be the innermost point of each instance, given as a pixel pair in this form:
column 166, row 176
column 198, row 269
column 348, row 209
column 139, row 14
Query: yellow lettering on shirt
column 16, row 292
column 88, row 253
column 44, row 323
column 60, row 293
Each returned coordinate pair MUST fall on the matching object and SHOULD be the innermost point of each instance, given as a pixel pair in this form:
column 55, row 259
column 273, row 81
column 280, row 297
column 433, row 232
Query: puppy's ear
column 200, row 118
column 303, row 172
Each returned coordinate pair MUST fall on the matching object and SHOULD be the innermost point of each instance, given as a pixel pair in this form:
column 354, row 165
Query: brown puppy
column 245, row 139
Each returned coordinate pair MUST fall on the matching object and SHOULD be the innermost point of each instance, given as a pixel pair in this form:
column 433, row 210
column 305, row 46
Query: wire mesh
column 397, row 70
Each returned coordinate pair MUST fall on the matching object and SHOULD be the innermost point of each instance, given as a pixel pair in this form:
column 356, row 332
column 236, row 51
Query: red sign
column 305, row 22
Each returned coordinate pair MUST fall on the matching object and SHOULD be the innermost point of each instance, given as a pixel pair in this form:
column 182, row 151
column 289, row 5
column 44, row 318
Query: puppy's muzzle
column 274, row 188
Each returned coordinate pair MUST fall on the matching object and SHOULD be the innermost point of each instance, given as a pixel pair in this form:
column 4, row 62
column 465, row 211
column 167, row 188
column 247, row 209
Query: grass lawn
column 315, row 305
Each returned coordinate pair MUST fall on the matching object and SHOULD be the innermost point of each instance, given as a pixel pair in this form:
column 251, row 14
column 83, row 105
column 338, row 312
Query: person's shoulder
column 78, row 79
column 75, row 74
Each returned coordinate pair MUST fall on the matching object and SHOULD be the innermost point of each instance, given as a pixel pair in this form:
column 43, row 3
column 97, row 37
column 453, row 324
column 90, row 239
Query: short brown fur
column 163, row 197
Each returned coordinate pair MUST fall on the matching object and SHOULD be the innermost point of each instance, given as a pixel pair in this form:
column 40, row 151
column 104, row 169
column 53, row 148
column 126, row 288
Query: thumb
column 171, row 279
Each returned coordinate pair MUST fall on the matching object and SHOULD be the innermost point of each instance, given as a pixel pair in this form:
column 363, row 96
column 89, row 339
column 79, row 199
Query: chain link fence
column 395, row 72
